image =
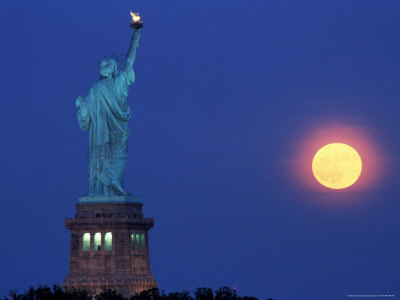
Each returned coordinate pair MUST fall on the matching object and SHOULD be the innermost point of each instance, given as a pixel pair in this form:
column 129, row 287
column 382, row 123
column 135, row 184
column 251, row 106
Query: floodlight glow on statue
column 105, row 113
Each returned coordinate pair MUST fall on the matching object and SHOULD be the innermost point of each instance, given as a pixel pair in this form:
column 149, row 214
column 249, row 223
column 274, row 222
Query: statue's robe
column 105, row 114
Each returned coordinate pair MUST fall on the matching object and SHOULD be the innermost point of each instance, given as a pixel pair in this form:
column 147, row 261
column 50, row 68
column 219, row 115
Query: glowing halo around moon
column 337, row 166
column 308, row 139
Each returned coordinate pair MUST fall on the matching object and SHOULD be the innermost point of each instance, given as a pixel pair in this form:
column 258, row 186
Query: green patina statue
column 105, row 113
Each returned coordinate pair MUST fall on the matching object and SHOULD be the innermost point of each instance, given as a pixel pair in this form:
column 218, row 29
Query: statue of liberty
column 105, row 113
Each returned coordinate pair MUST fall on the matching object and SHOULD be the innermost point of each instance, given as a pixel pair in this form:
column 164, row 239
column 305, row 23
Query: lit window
column 108, row 241
column 86, row 242
column 142, row 243
column 97, row 241
column 133, row 241
column 137, row 241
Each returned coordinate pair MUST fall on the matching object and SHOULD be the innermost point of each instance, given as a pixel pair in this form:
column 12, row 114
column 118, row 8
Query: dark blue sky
column 225, row 94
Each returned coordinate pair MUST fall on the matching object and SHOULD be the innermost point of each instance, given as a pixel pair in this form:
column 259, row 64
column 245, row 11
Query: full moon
column 337, row 166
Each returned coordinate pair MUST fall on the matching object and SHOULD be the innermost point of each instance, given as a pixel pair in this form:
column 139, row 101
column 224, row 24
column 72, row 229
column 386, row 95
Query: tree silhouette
column 204, row 294
column 57, row 293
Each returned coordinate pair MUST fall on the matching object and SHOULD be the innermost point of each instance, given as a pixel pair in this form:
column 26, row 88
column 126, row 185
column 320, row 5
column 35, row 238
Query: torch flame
column 135, row 17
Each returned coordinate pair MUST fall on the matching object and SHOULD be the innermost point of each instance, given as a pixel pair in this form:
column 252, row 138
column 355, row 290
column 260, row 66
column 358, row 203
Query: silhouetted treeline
column 56, row 293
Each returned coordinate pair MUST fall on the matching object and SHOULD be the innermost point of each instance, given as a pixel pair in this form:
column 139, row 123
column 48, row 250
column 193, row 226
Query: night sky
column 230, row 99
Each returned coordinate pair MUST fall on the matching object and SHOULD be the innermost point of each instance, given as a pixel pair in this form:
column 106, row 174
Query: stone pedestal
column 109, row 246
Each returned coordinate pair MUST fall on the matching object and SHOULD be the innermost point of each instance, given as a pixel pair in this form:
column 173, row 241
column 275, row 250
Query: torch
column 136, row 24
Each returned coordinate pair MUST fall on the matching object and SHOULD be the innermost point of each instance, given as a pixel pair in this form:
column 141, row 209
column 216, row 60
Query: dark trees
column 56, row 293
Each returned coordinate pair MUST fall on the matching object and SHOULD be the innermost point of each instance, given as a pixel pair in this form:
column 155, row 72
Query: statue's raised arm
column 130, row 56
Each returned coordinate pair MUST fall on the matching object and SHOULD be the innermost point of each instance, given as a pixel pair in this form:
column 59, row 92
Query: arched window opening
column 108, row 241
column 138, row 241
column 142, row 242
column 97, row 241
column 86, row 242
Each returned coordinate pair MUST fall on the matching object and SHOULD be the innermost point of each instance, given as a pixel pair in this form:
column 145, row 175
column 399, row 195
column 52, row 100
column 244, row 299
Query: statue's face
column 108, row 67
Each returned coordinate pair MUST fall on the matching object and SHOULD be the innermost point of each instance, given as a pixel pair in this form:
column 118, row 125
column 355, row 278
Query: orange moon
column 337, row 166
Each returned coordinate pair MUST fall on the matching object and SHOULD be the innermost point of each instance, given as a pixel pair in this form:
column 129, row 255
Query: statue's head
column 108, row 68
